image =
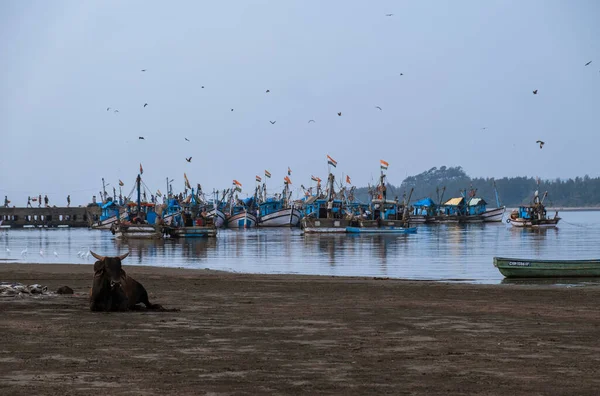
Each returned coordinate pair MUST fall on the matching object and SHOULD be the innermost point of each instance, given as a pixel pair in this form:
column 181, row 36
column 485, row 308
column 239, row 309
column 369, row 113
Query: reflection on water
column 443, row 252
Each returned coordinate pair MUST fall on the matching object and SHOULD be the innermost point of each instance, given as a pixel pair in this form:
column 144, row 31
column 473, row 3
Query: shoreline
column 297, row 334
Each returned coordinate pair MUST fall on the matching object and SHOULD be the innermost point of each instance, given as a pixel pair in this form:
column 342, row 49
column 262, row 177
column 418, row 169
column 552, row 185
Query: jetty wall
column 49, row 216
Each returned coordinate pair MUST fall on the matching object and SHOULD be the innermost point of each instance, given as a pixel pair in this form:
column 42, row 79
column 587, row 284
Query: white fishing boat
column 242, row 219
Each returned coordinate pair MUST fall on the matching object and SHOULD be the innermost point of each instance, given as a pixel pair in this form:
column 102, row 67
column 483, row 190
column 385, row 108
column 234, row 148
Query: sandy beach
column 266, row 334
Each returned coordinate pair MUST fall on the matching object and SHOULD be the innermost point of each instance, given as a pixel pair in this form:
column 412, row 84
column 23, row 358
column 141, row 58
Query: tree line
column 441, row 184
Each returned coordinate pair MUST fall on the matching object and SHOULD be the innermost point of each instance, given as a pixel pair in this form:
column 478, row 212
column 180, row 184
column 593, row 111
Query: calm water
column 446, row 252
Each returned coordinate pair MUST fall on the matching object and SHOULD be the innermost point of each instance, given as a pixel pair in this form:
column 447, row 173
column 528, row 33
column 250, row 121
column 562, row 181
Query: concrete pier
column 49, row 217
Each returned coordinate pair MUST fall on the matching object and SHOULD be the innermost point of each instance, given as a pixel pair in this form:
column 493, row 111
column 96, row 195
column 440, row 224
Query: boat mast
column 139, row 203
column 496, row 192
column 103, row 191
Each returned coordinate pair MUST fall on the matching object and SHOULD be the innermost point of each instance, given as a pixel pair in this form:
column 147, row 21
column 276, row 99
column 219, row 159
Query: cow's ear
column 98, row 266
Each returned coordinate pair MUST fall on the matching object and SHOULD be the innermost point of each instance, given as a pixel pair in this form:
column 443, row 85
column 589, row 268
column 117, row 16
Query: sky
column 466, row 65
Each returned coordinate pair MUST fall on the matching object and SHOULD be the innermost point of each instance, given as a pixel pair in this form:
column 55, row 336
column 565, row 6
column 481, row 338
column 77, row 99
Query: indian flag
column 237, row 183
column 258, row 179
column 141, row 170
column 315, row 178
column 238, row 189
column 289, row 171
column 187, row 182
column 384, row 164
column 287, row 180
column 348, row 179
column 267, row 174
column 158, row 193
column 331, row 161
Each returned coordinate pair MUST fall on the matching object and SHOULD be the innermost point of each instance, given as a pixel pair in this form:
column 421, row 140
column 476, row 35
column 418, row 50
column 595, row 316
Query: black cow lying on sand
column 113, row 289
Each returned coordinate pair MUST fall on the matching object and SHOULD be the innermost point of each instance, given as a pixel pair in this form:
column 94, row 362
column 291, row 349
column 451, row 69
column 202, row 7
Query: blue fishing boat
column 423, row 211
column 534, row 215
column 111, row 211
column 277, row 211
column 141, row 222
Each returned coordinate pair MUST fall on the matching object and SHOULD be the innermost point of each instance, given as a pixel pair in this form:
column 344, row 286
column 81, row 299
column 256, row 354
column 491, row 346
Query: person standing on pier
column 68, row 201
column 40, row 201
column 6, row 201
column 46, row 200
column 29, row 202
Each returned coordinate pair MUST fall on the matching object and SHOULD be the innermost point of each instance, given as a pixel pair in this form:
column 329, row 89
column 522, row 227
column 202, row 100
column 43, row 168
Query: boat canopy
column 477, row 201
column 424, row 202
column 109, row 204
column 454, row 201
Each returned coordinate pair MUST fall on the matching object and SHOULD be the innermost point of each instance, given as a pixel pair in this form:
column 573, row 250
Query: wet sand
column 266, row 334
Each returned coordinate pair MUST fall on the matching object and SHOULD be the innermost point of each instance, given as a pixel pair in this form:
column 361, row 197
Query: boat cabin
column 109, row 209
column 454, row 207
column 476, row 206
column 318, row 208
column 386, row 209
column 424, row 207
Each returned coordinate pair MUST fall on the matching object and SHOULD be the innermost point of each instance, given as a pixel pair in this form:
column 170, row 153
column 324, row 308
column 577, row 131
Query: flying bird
column 483, row 128
column 187, row 139
column 141, row 138
column 143, row 70
column 535, row 91
column 203, row 87
column 540, row 143
column 389, row 14
column 189, row 159
column 401, row 74
column 116, row 111
column 231, row 109
column 309, row 121
column 272, row 122
column 108, row 108
column 377, row 107
column 340, row 114
column 268, row 91
column 588, row 63
column 145, row 104
column 24, row 252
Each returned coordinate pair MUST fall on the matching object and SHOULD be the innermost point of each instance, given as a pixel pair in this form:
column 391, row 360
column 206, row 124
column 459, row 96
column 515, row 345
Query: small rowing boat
column 532, row 268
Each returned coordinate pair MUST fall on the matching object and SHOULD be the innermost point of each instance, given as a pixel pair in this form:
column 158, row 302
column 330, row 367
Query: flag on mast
column 384, row 164
column 237, row 183
column 141, row 169
column 314, row 178
column 287, row 180
column 158, row 193
column 258, row 179
column 331, row 161
column 121, row 183
column 187, row 182
column 289, row 171
column 267, row 174
column 348, row 179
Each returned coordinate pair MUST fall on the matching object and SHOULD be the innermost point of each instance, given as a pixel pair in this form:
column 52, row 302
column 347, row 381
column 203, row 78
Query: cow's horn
column 122, row 257
column 97, row 256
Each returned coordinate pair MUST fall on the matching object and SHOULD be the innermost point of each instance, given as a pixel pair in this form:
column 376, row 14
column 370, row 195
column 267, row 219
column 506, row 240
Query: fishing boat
column 536, row 268
column 325, row 215
column 468, row 208
column 185, row 226
column 240, row 217
column 111, row 211
column 277, row 211
column 534, row 215
column 423, row 211
column 142, row 220
column 384, row 216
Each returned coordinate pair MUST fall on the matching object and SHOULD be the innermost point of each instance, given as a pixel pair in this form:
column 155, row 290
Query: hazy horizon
column 466, row 66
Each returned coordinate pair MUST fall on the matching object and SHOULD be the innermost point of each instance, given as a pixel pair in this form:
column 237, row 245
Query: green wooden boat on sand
column 534, row 268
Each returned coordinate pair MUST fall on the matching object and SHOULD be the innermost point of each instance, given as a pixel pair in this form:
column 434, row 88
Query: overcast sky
column 467, row 65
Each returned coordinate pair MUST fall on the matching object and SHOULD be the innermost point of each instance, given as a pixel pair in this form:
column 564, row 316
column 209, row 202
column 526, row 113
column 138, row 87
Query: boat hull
column 528, row 223
column 218, row 217
column 106, row 224
column 289, row 217
column 137, row 231
column 241, row 220
column 381, row 230
column 493, row 215
column 311, row 225
column 192, row 232
column 524, row 268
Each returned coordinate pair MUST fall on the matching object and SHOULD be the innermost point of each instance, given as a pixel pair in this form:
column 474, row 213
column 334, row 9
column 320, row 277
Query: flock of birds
column 535, row 92
column 267, row 91
column 84, row 253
